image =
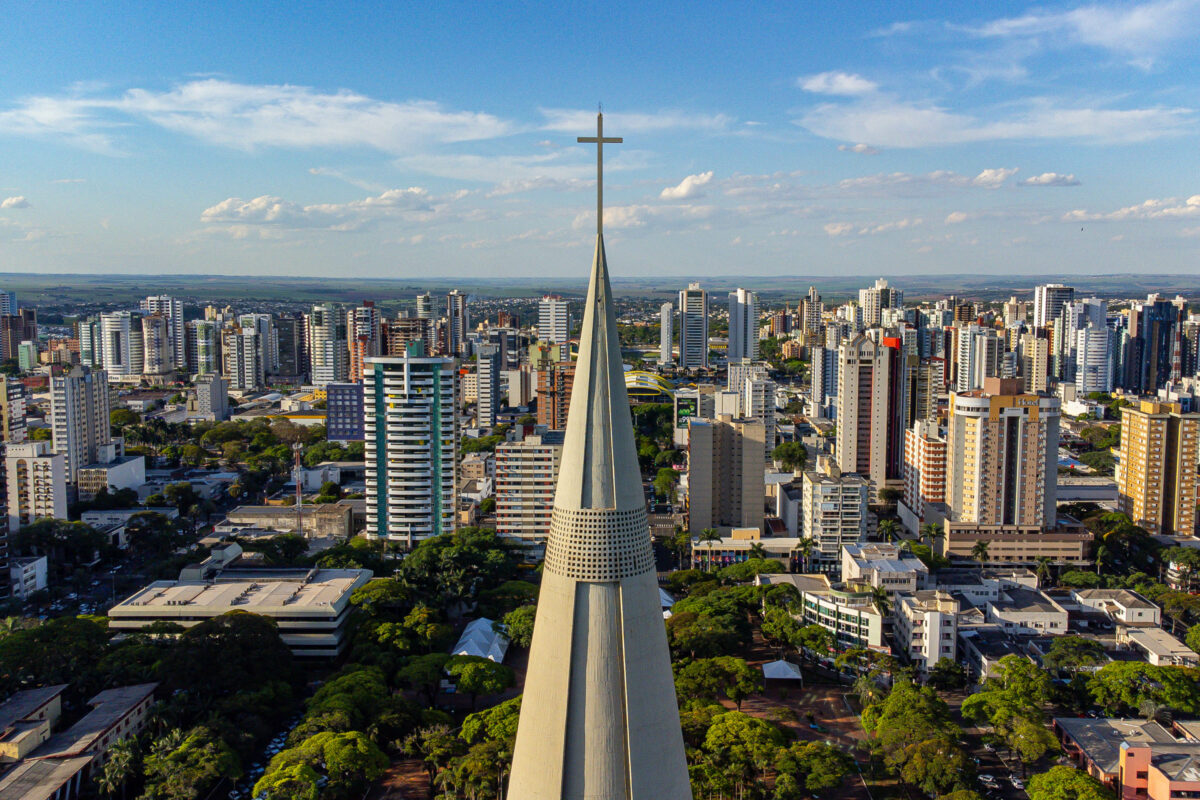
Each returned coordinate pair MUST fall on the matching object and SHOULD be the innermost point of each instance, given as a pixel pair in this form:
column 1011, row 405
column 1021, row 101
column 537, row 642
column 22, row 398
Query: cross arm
column 595, row 140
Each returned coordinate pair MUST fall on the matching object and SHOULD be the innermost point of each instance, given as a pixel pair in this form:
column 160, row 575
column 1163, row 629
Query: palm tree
column 882, row 600
column 707, row 536
column 757, row 551
column 888, row 530
column 1101, row 552
column 118, row 766
column 931, row 532
column 806, row 547
column 1043, row 569
column 980, row 551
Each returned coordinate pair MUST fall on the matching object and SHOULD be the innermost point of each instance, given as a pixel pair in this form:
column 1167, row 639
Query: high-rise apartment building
column 1035, row 363
column 8, row 304
column 328, row 349
column 172, row 311
column 158, row 351
column 488, row 386
column 212, row 397
column 872, row 408
column 693, row 327
column 290, row 347
column 1048, row 301
column 203, row 347
column 36, row 481
column 242, row 356
column 526, row 474
column 1002, row 456
column 87, row 331
column 458, row 323
column 666, row 332
column 875, row 299
column 743, row 325
column 425, row 306
column 20, row 326
column 555, row 380
column 1093, row 367
column 812, row 312
column 924, row 471
column 1155, row 344
column 1156, row 473
column 365, row 333
column 12, row 410
column 268, row 343
column 979, row 354
column 554, row 320
column 726, row 475
column 410, row 406
column 79, row 410
column 834, row 513
column 758, row 403
column 399, row 333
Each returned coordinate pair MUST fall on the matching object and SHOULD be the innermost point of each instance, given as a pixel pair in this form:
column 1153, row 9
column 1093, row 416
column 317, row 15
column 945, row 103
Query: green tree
column 744, row 746
column 664, row 483
column 120, row 418
column 435, row 745
column 791, row 455
column 498, row 722
column 518, row 625
column 191, row 770
column 815, row 640
column 746, row 570
column 1066, row 783
column 711, row 678
column 479, row 676
column 1122, row 687
column 1193, row 637
column 1078, row 579
column 936, row 766
column 888, row 530
column 1072, row 653
column 816, row 766
column 424, row 673
column 948, row 675
column 979, row 551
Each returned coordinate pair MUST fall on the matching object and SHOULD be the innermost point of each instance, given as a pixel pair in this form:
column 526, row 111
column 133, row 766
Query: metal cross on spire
column 599, row 141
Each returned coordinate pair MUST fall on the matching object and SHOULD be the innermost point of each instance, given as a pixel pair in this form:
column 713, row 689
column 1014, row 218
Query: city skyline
column 769, row 142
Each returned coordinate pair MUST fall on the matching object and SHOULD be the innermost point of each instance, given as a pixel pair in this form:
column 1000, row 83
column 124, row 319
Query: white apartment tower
column 833, row 513
column 666, row 332
column 410, row 406
column 172, row 310
column 862, row 406
column 693, row 327
column 425, row 306
column 1048, row 301
column 554, row 320
column 36, row 481
column 743, row 325
column 875, row 299
column 327, row 346
column 79, row 408
column 158, row 357
column 243, row 366
column 487, row 387
column 458, row 323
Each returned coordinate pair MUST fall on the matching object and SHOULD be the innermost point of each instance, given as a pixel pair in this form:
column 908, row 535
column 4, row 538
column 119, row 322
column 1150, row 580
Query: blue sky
column 418, row 140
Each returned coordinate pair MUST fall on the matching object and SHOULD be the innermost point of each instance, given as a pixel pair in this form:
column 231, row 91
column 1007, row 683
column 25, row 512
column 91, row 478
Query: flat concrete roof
column 323, row 591
column 1160, row 643
column 1100, row 740
column 1026, row 600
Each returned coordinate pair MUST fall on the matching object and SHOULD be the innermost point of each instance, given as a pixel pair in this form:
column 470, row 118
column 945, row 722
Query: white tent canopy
column 665, row 599
column 481, row 639
column 781, row 671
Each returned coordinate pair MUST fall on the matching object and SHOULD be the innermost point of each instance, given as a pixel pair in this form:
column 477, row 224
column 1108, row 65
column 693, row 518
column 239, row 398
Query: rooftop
column 1027, row 600
column 1100, row 740
column 1121, row 596
column 282, row 593
column 34, row 779
column 26, row 702
column 108, row 708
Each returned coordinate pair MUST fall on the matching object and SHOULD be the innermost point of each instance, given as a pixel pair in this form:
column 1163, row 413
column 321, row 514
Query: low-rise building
column 851, row 616
column 926, row 627
column 27, row 575
column 26, row 719
column 1067, row 542
column 741, row 542
column 311, row 607
column 1134, row 758
column 1027, row 611
column 324, row 520
column 123, row 472
column 1122, row 605
column 1158, row 647
column 886, row 565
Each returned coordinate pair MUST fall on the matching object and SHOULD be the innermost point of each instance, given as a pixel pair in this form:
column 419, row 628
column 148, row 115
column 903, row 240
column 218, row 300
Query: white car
column 1016, row 782
column 987, row 780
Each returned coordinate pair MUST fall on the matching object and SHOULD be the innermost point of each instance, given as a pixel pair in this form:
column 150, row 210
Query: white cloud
column 578, row 121
column 413, row 204
column 245, row 117
column 640, row 216
column 70, row 180
column 1050, row 179
column 887, row 227
column 993, row 178
column 838, row 228
column 687, row 188
column 1131, row 29
column 955, row 217
column 891, row 123
column 862, row 149
column 14, row 202
column 1165, row 208
column 341, row 176
column 838, row 83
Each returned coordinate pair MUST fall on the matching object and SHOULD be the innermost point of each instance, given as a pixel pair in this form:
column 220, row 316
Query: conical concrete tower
column 599, row 719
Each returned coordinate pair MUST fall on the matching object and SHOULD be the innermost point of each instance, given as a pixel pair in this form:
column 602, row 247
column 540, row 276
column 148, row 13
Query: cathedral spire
column 599, row 720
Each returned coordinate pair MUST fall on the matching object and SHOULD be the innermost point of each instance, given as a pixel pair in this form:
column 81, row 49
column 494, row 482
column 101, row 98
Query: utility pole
column 296, row 450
